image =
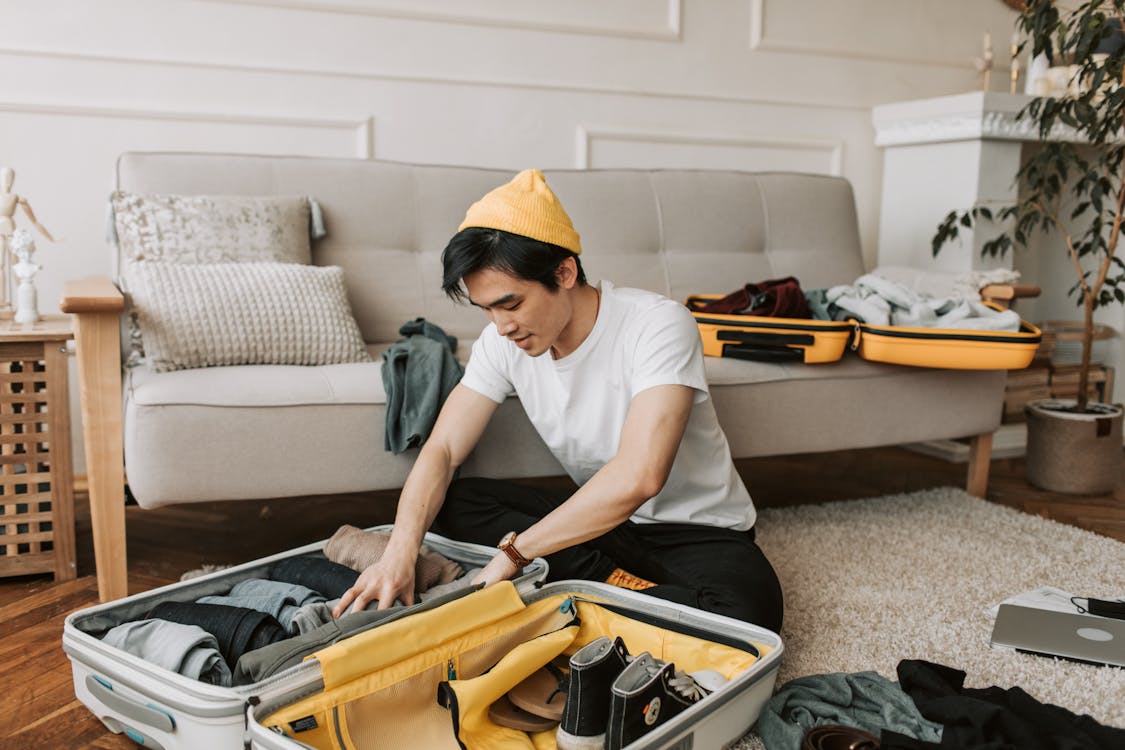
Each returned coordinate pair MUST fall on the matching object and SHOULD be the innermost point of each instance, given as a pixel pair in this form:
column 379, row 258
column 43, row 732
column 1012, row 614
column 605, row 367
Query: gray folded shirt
column 187, row 649
column 277, row 598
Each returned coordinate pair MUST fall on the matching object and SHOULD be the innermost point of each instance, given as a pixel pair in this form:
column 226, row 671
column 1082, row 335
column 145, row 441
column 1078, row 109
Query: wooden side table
column 36, row 479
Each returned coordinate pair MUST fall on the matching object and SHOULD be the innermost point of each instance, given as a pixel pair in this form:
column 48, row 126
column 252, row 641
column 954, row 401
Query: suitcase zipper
column 450, row 670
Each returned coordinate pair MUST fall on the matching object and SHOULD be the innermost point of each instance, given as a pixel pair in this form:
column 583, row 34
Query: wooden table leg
column 980, row 457
column 61, row 461
column 98, row 343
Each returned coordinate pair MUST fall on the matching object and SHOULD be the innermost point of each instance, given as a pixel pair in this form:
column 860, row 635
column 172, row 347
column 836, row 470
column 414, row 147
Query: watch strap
column 508, row 547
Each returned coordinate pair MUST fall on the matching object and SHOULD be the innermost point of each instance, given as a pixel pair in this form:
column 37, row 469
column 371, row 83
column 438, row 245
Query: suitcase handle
column 763, row 355
column 148, row 714
column 765, row 338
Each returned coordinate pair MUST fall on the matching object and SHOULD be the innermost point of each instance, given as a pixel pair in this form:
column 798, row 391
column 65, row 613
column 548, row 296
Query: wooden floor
column 37, row 704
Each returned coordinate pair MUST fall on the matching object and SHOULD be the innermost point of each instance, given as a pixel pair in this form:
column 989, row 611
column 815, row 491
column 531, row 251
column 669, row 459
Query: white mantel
column 961, row 117
column 943, row 154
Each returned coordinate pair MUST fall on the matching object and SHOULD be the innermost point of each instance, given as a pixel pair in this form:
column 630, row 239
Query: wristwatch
column 507, row 545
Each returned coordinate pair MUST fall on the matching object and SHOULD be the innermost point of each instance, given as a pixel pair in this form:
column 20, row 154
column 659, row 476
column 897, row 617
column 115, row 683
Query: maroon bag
column 778, row 298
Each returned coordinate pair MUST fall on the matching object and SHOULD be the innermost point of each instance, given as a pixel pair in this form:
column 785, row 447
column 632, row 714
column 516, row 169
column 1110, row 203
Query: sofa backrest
column 677, row 232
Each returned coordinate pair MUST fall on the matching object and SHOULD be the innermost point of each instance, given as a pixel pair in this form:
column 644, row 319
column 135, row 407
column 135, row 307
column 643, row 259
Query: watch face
column 508, row 539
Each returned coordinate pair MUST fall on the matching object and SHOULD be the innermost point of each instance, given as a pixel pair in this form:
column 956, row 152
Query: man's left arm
column 650, row 438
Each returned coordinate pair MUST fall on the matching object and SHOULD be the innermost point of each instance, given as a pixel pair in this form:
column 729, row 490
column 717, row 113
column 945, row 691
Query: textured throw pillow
column 211, row 228
column 203, row 315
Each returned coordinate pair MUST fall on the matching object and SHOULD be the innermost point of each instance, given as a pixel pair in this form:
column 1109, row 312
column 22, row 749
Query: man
column 613, row 381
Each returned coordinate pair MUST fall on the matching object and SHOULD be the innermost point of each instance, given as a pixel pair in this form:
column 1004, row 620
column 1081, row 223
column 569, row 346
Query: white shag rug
column 871, row 582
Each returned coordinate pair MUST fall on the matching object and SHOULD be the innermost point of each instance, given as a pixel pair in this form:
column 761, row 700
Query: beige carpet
column 870, row 582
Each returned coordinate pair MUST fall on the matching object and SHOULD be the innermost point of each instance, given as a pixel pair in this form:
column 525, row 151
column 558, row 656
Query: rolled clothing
column 186, row 649
column 866, row 700
column 277, row 598
column 357, row 549
column 312, row 616
column 323, row 576
column 237, row 629
column 256, row 666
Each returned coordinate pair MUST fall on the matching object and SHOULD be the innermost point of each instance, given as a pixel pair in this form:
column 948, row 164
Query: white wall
column 747, row 84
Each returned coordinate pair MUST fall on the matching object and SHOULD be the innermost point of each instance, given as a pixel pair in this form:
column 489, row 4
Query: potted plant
column 1074, row 184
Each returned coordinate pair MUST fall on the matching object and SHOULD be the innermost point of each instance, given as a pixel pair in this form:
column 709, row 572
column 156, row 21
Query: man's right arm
column 458, row 428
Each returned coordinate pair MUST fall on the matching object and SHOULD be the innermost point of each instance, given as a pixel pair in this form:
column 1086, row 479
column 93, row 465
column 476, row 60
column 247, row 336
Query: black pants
column 714, row 569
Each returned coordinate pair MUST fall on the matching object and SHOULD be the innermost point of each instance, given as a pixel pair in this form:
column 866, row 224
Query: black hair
column 476, row 248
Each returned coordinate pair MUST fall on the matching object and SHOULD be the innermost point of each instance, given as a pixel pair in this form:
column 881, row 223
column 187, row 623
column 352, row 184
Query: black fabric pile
column 993, row 718
column 237, row 629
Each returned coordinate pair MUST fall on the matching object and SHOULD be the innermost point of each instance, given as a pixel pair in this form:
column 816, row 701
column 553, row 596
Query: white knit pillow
column 210, row 314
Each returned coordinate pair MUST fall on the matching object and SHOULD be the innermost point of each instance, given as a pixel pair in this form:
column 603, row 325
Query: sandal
column 543, row 693
column 504, row 713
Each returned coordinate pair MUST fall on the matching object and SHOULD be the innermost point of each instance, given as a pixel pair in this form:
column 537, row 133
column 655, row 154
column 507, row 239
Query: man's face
column 524, row 311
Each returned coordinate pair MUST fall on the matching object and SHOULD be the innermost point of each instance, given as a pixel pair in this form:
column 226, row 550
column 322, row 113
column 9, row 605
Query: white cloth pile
column 882, row 302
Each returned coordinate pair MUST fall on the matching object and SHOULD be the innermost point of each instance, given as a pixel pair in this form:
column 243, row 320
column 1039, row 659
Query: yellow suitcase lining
column 380, row 686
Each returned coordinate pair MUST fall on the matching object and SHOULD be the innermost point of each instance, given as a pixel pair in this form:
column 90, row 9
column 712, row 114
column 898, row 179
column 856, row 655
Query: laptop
column 1069, row 635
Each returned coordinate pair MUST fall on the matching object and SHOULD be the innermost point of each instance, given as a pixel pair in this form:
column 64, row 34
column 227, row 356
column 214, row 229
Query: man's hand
column 499, row 568
column 384, row 581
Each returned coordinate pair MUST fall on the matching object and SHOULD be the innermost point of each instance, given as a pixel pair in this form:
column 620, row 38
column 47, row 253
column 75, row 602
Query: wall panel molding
column 362, row 131
column 761, row 40
column 369, row 75
column 832, row 150
column 634, row 19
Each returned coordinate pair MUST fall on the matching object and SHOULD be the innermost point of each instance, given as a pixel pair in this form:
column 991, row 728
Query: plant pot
column 1070, row 452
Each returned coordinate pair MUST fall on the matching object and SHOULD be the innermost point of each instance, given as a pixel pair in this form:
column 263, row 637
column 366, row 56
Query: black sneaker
column 593, row 668
column 646, row 694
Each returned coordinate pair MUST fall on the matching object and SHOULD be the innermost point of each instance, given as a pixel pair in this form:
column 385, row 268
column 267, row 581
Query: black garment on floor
column 237, row 629
column 993, row 718
column 710, row 568
column 323, row 576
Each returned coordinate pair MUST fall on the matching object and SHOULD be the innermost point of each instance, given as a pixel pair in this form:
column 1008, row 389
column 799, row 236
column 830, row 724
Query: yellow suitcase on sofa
column 948, row 348
column 768, row 339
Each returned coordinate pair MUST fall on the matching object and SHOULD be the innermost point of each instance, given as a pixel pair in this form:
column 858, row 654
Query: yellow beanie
column 525, row 206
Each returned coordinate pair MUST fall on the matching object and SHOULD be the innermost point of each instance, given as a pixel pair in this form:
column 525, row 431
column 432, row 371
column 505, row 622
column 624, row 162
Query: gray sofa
column 272, row 431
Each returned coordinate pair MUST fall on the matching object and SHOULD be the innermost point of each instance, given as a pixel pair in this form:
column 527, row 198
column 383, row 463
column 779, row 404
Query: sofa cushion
column 204, row 315
column 211, row 228
column 267, row 431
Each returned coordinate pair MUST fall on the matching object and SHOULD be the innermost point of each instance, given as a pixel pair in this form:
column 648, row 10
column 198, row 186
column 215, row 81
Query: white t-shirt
column 578, row 403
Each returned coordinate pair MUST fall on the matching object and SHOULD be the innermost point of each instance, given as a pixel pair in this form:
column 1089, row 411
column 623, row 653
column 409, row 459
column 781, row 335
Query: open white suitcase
column 159, row 708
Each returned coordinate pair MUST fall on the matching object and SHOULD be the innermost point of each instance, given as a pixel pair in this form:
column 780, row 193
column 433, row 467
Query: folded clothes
column 322, row 576
column 187, row 649
column 358, row 549
column 237, row 629
column 277, row 598
column 257, row 665
column 878, row 301
column 313, row 615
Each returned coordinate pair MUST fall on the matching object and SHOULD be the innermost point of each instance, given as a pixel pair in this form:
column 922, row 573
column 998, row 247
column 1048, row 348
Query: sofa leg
column 96, row 305
column 980, row 456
